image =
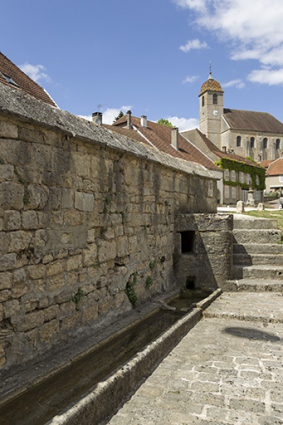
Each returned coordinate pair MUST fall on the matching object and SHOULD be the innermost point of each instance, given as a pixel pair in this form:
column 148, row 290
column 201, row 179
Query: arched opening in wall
column 252, row 142
column 214, row 99
column 264, row 143
column 188, row 242
column 264, row 146
column 277, row 144
column 238, row 141
column 202, row 101
column 190, row 282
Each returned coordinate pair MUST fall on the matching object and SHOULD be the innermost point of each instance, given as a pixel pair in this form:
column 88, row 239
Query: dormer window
column 214, row 99
column 9, row 79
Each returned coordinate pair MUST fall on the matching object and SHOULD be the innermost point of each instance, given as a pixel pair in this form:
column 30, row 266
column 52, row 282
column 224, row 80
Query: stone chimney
column 129, row 120
column 224, row 149
column 143, row 121
column 175, row 138
column 97, row 118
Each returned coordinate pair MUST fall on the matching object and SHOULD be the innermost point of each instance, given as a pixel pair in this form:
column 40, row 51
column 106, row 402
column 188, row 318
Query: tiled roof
column 134, row 135
column 23, row 82
column 211, row 85
column 159, row 136
column 222, row 154
column 252, row 121
column 266, row 163
column 275, row 168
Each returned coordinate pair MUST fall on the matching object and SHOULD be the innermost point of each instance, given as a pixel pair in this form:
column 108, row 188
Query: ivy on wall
column 252, row 170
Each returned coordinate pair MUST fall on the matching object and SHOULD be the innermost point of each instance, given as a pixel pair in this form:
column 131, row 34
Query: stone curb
column 106, row 397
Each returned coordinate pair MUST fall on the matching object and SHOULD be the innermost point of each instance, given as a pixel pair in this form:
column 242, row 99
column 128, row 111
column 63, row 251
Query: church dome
column 211, row 85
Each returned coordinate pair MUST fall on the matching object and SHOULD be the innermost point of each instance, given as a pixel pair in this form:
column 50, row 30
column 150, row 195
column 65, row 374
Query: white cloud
column 189, row 79
column 35, row 72
column 109, row 114
column 253, row 28
column 183, row 123
column 266, row 76
column 238, row 83
column 193, row 44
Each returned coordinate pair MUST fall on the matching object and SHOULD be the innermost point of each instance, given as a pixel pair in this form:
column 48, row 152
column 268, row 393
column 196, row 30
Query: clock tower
column 211, row 110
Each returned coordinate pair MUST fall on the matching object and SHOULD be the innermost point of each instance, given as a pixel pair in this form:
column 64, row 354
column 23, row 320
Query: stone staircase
column 257, row 257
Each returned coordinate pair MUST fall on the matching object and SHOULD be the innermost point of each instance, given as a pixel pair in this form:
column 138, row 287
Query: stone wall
column 84, row 216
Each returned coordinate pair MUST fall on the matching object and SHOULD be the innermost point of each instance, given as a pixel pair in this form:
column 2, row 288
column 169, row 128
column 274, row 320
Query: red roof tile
column 275, row 168
column 160, row 137
column 23, row 82
column 211, row 85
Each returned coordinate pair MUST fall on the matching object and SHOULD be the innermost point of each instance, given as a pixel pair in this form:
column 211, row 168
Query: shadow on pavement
column 252, row 334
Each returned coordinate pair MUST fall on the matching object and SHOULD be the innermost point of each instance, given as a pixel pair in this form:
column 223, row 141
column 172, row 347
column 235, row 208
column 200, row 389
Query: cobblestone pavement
column 227, row 370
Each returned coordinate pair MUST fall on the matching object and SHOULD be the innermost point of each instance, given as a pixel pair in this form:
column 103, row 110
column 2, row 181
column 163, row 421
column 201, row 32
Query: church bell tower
column 211, row 109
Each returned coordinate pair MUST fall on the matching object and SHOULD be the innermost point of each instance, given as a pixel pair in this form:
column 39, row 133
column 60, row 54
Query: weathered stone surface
column 38, row 196
column 12, row 220
column 11, row 195
column 20, row 240
column 84, row 201
column 6, row 172
column 29, row 220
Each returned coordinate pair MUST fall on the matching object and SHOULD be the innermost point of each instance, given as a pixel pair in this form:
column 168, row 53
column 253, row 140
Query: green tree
column 165, row 122
column 120, row 115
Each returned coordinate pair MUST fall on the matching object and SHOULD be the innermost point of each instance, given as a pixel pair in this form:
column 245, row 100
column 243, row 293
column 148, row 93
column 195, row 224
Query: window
column 281, row 178
column 202, row 101
column 214, row 99
column 9, row 79
column 257, row 180
column 252, row 142
column 242, row 177
column 277, row 145
column 227, row 192
column 233, row 175
column 248, row 178
column 233, row 192
column 187, row 241
column 238, row 141
column 226, row 175
column 265, row 143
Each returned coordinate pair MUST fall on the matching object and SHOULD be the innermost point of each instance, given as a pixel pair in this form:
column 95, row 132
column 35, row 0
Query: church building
column 258, row 135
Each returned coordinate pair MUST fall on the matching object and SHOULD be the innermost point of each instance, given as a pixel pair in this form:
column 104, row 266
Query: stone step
column 257, row 259
column 258, row 272
column 255, row 285
column 247, row 236
column 248, row 222
column 254, row 248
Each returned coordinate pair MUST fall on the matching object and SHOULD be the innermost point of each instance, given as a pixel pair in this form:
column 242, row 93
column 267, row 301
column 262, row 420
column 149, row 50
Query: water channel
column 42, row 402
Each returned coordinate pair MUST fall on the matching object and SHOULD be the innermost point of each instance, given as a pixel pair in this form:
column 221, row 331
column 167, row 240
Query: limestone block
column 1, row 224
column 82, row 165
column 4, row 242
column 37, row 271
column 5, row 295
column 107, row 251
column 20, row 240
column 240, row 208
column 12, row 220
column 11, row 308
column 52, row 179
column 260, row 207
column 32, row 320
column 5, row 280
column 67, row 198
column 56, row 282
column 7, row 262
column 19, row 276
column 51, row 312
column 71, row 322
column 90, row 255
column 8, row 130
column 55, row 198
column 31, row 135
column 19, row 290
column 90, row 313
column 74, row 263
column 31, row 304
column 91, row 235
column 133, row 244
column 11, row 195
column 38, row 196
column 48, row 330
column 39, row 285
column 84, row 201
column 55, row 268
column 29, row 220
column 6, row 172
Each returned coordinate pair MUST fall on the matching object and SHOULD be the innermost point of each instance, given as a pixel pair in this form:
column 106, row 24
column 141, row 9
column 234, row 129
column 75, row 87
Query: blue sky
column 150, row 56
